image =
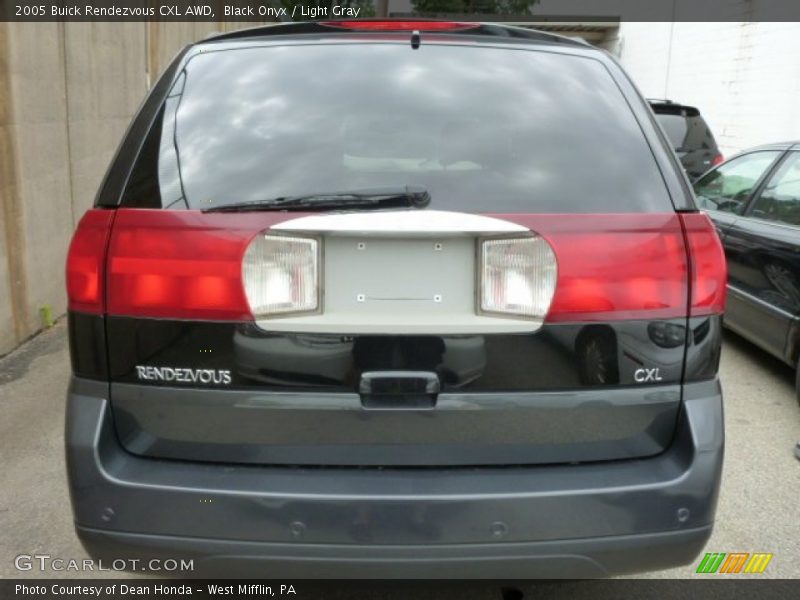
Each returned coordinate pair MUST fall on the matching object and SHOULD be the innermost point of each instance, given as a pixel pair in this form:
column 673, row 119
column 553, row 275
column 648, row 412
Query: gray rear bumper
column 584, row 520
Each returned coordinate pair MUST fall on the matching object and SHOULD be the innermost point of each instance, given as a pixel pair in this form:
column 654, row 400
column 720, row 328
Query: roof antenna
column 415, row 39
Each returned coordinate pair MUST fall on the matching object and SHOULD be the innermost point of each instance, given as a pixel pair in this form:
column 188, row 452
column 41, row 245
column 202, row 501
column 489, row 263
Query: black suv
column 690, row 136
column 370, row 299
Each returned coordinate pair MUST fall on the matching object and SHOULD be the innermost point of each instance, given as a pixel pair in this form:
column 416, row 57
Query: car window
column 698, row 136
column 687, row 134
column 675, row 126
column 728, row 187
column 482, row 129
column 780, row 199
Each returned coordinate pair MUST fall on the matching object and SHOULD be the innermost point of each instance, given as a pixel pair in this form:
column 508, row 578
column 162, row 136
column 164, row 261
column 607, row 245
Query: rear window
column 484, row 129
column 675, row 127
column 687, row 133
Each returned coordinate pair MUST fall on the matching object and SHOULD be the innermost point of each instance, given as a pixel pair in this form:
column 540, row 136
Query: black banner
column 109, row 589
column 536, row 11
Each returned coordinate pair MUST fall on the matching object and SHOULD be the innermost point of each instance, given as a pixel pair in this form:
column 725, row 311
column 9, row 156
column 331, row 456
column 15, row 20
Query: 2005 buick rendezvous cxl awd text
column 383, row 299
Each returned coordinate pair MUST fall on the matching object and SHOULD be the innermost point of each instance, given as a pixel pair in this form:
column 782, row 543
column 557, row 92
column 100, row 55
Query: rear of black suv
column 394, row 299
column 690, row 136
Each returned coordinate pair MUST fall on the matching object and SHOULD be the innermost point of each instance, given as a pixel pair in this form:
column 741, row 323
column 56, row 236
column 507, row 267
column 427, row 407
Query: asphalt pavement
column 759, row 509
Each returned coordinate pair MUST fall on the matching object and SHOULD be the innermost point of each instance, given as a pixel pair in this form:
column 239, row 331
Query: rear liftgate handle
column 399, row 389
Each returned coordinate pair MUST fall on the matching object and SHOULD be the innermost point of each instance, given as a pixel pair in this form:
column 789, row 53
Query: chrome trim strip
column 762, row 221
column 401, row 223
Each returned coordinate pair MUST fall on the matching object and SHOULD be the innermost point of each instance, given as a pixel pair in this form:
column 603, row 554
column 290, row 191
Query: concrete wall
column 8, row 193
column 67, row 94
column 106, row 78
column 40, row 134
column 744, row 77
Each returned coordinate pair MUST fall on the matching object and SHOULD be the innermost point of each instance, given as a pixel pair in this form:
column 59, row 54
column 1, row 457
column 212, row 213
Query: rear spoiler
column 370, row 25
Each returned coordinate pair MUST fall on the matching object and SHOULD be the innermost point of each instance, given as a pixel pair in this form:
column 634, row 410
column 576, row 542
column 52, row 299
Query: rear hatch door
column 406, row 336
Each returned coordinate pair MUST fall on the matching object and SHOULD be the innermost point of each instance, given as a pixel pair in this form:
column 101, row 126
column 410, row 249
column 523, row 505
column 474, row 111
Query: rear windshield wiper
column 414, row 196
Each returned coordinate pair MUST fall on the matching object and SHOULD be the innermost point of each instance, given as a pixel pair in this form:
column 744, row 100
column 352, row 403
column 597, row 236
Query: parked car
column 328, row 316
column 690, row 136
column 754, row 200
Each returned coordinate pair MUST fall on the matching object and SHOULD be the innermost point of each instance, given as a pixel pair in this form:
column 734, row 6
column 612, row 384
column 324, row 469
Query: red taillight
column 180, row 264
column 708, row 267
column 615, row 266
column 86, row 262
column 188, row 265
column 717, row 160
column 367, row 25
column 627, row 266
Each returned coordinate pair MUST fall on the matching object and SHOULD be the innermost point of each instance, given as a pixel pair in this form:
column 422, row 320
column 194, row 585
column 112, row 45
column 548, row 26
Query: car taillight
column 621, row 268
column 378, row 25
column 709, row 274
column 632, row 266
column 179, row 264
column 281, row 275
column 517, row 276
column 86, row 262
column 614, row 266
column 717, row 160
column 571, row 268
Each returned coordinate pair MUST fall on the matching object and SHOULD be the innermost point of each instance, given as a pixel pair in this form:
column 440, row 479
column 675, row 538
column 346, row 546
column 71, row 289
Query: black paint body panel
column 763, row 259
column 566, row 393
column 557, row 357
column 87, row 345
column 764, row 278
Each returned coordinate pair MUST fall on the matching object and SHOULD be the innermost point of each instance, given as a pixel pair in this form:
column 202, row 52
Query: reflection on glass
column 728, row 187
column 525, row 129
column 780, row 199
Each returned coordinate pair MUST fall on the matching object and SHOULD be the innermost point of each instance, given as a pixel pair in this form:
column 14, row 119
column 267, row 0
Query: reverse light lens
column 518, row 276
column 281, row 275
